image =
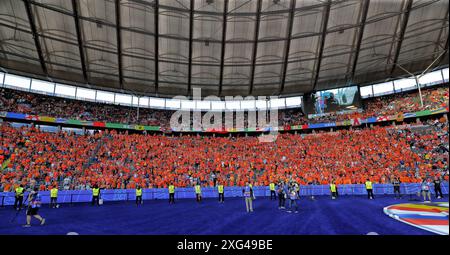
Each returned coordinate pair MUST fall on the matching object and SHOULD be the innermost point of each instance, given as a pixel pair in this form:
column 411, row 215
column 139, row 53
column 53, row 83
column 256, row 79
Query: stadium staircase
column 93, row 156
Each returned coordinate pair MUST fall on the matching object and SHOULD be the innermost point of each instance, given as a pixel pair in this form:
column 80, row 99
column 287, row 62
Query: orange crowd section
column 120, row 160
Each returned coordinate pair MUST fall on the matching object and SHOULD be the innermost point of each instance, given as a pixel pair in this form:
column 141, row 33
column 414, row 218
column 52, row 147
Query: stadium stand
column 22, row 102
column 122, row 160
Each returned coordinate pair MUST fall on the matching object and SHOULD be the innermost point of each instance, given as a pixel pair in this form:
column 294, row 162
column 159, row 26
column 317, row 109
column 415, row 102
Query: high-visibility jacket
column 171, row 189
column 197, row 189
column 54, row 193
column 333, row 187
column 220, row 188
column 368, row 185
column 138, row 192
column 19, row 191
column 95, row 192
column 272, row 186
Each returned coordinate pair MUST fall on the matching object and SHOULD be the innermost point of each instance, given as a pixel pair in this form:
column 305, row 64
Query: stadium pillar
column 393, row 123
column 420, row 91
column 371, row 125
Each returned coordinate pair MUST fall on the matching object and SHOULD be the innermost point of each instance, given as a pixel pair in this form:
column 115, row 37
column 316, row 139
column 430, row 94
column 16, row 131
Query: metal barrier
column 77, row 196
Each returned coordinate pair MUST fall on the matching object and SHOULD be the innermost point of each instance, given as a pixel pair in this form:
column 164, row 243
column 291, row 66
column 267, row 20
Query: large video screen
column 333, row 100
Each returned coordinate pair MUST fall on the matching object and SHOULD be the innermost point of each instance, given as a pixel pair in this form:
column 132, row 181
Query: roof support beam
column 80, row 41
column 445, row 52
column 360, row 36
column 156, row 14
column 438, row 43
column 326, row 16
column 287, row 45
column 119, row 43
column 35, row 35
column 222, row 51
column 401, row 35
column 255, row 46
column 191, row 34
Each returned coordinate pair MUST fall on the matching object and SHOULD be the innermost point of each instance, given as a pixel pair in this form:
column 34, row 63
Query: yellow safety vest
column 251, row 186
column 368, row 185
column 54, row 192
column 95, row 192
column 171, row 189
column 197, row 189
column 333, row 187
column 138, row 192
column 272, row 186
column 19, row 191
column 220, row 188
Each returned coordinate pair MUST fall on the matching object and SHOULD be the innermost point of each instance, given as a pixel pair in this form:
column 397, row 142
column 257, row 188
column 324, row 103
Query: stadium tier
column 34, row 104
column 114, row 160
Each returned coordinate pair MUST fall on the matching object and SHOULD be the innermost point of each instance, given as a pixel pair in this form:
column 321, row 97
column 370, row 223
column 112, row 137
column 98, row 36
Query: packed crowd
column 21, row 102
column 397, row 103
column 34, row 104
column 121, row 160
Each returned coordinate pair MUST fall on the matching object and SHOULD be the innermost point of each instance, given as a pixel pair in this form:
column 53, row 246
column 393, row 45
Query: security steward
column 437, row 187
column 53, row 197
column 220, row 191
column 171, row 193
column 198, row 192
column 138, row 195
column 369, row 189
column 396, row 184
column 18, row 198
column 273, row 194
column 333, row 190
column 96, row 195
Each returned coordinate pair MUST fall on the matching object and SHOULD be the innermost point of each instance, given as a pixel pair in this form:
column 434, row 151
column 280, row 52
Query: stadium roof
column 225, row 47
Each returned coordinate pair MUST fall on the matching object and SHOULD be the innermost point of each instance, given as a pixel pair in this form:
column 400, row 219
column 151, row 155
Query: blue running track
column 346, row 216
